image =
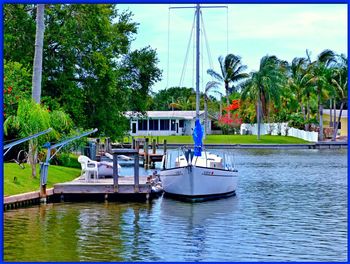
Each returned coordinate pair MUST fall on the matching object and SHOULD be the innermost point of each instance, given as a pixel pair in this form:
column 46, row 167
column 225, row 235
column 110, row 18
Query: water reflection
column 193, row 221
column 290, row 206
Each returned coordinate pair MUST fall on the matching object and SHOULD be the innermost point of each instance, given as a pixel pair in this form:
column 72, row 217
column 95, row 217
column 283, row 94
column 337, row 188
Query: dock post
column 115, row 172
column 146, row 157
column 98, row 150
column 154, row 146
column 133, row 146
column 136, row 172
column 43, row 197
column 164, row 146
column 137, row 145
column 108, row 144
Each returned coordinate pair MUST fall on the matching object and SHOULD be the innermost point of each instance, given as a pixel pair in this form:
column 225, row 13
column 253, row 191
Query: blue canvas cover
column 197, row 138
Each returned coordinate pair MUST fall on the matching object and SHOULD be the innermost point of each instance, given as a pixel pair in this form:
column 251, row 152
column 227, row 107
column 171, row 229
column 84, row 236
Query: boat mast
column 197, row 15
column 197, row 58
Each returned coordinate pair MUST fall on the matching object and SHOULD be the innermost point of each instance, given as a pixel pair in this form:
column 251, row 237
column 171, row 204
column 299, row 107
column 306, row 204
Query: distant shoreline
column 317, row 145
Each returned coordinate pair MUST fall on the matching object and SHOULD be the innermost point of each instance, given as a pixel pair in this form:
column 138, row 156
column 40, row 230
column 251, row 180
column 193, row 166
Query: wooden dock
column 153, row 157
column 126, row 185
column 117, row 186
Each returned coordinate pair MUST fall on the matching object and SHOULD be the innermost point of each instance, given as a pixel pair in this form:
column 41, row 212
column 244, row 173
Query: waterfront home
column 343, row 125
column 164, row 123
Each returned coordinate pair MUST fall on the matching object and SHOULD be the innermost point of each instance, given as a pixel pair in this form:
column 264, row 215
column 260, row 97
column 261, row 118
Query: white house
column 164, row 123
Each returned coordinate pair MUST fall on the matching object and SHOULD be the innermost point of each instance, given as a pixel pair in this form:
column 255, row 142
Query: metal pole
column 45, row 166
column 10, row 145
column 197, row 57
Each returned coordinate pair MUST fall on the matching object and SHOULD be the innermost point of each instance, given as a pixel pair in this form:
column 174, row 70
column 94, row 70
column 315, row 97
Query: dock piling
column 165, row 146
column 154, row 150
column 146, row 156
column 115, row 172
column 136, row 173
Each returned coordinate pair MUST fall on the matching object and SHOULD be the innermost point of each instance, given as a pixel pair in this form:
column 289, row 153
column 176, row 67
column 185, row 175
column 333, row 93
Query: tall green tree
column 19, row 32
column 141, row 72
column 232, row 72
column 163, row 99
column 84, row 47
column 84, row 43
column 264, row 85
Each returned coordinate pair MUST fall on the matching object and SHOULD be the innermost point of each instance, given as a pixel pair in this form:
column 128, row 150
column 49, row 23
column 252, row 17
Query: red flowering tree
column 231, row 119
column 17, row 86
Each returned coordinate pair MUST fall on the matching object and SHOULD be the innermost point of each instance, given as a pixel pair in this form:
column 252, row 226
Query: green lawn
column 25, row 183
column 232, row 139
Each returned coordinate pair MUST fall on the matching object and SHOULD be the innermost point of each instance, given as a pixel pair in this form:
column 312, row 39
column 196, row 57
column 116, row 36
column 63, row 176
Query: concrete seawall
column 25, row 199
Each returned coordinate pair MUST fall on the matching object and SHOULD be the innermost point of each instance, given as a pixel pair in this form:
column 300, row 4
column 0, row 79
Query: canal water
column 291, row 205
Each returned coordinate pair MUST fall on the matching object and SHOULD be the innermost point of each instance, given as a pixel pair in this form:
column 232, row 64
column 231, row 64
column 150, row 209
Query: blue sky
column 254, row 30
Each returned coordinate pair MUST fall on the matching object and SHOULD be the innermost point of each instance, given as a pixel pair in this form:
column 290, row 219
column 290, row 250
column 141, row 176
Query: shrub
column 68, row 160
column 296, row 120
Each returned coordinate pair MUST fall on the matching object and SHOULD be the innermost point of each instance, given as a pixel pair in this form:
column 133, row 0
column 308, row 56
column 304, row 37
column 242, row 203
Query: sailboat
column 198, row 174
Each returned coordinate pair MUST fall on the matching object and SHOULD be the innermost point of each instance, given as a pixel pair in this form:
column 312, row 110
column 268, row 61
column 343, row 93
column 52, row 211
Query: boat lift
column 45, row 165
column 14, row 143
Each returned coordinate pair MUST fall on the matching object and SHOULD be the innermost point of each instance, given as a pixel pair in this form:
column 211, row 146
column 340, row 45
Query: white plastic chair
column 88, row 167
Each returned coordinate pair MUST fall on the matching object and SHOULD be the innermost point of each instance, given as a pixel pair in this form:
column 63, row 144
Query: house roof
column 166, row 114
column 344, row 113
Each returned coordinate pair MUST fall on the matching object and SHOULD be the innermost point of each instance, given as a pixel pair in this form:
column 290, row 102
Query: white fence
column 278, row 129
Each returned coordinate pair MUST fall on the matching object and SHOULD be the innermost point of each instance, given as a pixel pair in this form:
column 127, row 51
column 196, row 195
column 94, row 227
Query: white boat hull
column 199, row 181
column 105, row 169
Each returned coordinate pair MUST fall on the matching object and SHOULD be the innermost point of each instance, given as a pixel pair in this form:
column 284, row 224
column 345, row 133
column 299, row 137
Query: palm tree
column 38, row 55
column 321, row 69
column 183, row 103
column 37, row 76
column 208, row 87
column 264, row 85
column 297, row 80
column 232, row 71
column 301, row 85
column 340, row 81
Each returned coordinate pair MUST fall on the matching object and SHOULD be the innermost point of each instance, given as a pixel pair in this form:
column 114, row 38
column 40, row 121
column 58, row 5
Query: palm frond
column 215, row 75
column 210, row 85
column 327, row 57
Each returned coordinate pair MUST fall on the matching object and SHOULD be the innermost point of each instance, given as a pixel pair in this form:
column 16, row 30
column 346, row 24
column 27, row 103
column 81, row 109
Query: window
column 142, row 125
column 172, row 125
column 153, row 124
column 164, row 124
column 181, row 123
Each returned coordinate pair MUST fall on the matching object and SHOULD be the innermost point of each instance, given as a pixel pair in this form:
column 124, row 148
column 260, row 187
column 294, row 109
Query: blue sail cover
column 197, row 138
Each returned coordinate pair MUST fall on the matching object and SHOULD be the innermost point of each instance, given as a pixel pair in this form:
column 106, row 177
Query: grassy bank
column 17, row 180
column 231, row 139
